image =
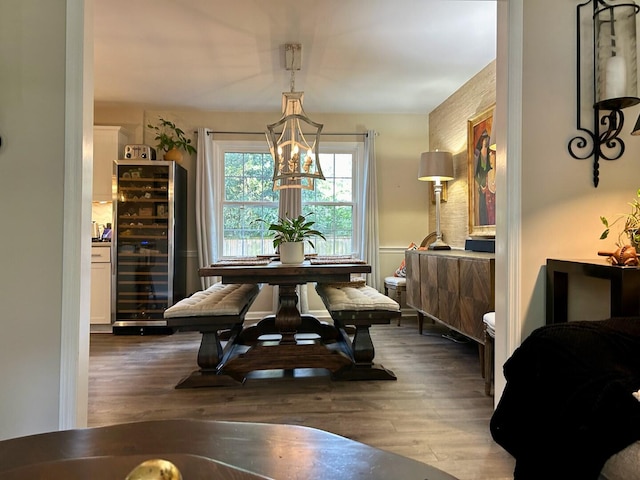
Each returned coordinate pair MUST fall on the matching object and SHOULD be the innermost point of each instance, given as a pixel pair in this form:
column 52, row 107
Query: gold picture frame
column 481, row 167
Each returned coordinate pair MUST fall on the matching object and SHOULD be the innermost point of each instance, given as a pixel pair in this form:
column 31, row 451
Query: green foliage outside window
column 249, row 195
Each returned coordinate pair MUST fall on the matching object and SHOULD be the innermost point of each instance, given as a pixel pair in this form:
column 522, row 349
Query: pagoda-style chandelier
column 295, row 153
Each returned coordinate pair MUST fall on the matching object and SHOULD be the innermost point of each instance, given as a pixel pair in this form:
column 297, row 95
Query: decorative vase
column 291, row 252
column 173, row 155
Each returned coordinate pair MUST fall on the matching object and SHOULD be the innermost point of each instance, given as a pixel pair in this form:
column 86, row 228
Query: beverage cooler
column 148, row 244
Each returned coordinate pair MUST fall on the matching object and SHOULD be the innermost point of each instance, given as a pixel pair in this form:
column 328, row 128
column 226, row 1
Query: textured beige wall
column 448, row 131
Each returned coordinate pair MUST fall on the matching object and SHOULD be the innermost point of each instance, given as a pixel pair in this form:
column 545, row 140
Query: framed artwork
column 482, row 170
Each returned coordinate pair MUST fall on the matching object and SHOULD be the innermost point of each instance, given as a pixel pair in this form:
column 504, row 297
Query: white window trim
column 356, row 149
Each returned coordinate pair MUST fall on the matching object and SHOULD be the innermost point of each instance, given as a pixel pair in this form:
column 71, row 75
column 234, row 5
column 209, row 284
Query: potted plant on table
column 627, row 252
column 171, row 139
column 290, row 235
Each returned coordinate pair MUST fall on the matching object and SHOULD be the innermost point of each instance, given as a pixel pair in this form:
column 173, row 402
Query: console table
column 625, row 286
column 453, row 287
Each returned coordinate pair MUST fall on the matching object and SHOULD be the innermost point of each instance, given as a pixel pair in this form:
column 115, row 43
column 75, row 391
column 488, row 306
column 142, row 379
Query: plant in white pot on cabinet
column 290, row 235
column 171, row 139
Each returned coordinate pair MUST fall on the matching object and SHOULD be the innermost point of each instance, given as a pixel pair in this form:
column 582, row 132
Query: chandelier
column 295, row 153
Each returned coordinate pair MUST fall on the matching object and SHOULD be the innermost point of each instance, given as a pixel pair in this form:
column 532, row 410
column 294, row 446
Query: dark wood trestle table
column 289, row 339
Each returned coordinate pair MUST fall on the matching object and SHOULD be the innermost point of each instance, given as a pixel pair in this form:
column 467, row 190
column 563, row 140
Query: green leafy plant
column 293, row 230
column 631, row 227
column 169, row 136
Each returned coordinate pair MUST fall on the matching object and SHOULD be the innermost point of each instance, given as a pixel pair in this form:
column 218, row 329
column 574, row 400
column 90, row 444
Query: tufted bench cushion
column 398, row 285
column 218, row 299
column 489, row 319
column 219, row 307
column 352, row 298
column 395, row 281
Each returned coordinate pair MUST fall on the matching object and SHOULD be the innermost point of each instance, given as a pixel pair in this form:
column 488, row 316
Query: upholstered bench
column 398, row 285
column 219, row 307
column 489, row 322
column 356, row 304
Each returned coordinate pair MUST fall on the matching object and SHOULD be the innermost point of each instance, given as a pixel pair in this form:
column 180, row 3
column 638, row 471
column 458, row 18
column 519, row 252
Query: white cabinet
column 101, row 284
column 108, row 145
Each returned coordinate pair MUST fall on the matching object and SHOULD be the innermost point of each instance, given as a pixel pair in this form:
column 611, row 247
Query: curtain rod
column 212, row 132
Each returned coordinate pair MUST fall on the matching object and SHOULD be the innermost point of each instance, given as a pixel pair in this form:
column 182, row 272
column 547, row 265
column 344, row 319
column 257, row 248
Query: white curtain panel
column 205, row 204
column 369, row 243
column 290, row 203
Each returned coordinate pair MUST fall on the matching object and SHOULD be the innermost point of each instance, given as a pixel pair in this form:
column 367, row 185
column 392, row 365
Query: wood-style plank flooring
column 436, row 412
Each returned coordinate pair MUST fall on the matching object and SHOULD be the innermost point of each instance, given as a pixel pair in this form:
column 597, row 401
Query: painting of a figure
column 482, row 174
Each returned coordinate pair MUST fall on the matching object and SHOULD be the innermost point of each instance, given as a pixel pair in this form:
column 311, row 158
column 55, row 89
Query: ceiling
column 358, row 56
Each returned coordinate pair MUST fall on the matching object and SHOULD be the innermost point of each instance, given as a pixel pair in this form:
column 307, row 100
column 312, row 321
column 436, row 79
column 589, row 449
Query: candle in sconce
column 615, row 79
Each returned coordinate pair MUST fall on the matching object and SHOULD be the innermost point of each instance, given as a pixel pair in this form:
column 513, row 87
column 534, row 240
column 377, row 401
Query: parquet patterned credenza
column 453, row 287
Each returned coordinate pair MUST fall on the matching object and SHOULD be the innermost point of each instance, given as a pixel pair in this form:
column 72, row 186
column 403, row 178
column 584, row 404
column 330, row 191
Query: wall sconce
column 436, row 167
column 615, row 81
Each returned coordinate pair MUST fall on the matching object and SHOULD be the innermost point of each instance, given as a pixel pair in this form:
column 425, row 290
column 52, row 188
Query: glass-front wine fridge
column 148, row 243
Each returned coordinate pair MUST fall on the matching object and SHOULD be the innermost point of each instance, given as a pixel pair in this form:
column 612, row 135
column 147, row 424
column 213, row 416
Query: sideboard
column 453, row 287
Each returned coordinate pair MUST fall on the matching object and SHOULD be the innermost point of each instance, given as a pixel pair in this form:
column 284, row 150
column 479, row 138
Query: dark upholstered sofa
column 568, row 409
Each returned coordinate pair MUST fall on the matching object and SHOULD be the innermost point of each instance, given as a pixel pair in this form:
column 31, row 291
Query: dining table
column 287, row 339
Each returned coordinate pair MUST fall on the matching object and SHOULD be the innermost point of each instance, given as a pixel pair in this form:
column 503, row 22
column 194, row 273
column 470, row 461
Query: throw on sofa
column 568, row 404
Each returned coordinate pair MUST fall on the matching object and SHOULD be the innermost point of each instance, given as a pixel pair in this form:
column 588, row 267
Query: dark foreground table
column 205, row 450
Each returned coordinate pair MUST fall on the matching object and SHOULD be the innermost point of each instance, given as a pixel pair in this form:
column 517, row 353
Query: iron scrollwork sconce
column 615, row 80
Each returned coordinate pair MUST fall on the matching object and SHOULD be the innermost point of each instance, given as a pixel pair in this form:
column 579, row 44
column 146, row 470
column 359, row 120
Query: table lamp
column 436, row 167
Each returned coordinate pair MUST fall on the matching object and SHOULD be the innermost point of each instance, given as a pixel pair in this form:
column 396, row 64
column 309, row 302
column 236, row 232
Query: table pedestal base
column 271, row 356
column 200, row 378
column 368, row 372
column 268, row 326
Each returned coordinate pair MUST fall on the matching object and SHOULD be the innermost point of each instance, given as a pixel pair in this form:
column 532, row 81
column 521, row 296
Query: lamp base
column 439, row 245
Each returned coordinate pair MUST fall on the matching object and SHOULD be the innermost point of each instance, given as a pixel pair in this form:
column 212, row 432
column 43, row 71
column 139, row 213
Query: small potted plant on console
column 628, row 237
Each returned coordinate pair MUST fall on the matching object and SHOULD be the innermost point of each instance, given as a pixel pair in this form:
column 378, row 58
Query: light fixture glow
column 436, row 167
column 286, row 137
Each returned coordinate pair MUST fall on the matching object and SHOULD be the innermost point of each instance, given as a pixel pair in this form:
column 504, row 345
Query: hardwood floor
column 436, row 412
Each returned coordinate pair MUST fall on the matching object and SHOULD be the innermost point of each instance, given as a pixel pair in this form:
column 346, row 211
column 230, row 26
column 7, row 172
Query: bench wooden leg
column 362, row 352
column 488, row 362
column 211, row 356
column 210, row 352
column 420, row 322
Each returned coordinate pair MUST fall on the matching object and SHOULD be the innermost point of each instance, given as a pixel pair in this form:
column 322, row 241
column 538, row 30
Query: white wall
column 33, row 283
column 560, row 208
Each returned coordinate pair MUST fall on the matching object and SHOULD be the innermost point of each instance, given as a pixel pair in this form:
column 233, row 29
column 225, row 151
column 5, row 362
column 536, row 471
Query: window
column 244, row 172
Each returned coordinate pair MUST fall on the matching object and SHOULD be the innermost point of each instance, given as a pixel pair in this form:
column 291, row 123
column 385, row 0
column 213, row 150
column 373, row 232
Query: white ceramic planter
column 291, row 252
